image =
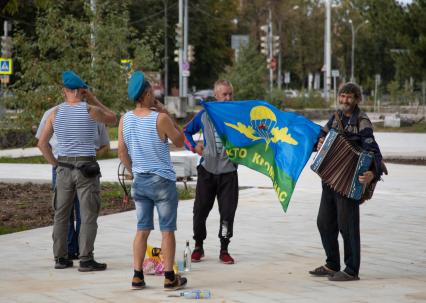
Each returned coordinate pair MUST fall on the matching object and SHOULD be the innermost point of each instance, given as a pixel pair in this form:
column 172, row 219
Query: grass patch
column 186, row 194
column 109, row 155
column 27, row 160
column 41, row 160
column 8, row 230
column 111, row 191
column 113, row 133
column 415, row 128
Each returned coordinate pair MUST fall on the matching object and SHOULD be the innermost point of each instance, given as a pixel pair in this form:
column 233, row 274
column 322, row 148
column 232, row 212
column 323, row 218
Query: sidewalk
column 273, row 251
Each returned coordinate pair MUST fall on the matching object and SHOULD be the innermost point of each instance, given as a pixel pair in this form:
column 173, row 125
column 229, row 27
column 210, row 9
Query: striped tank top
column 75, row 131
column 149, row 154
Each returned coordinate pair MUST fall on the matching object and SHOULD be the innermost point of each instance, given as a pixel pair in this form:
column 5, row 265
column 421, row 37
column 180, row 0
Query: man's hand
column 159, row 107
column 199, row 149
column 87, row 95
column 320, row 142
column 367, row 177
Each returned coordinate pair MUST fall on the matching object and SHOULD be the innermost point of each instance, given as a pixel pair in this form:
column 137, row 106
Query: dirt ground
column 27, row 206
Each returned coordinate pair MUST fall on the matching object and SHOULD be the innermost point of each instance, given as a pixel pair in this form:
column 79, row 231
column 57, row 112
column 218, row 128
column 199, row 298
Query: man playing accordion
column 338, row 212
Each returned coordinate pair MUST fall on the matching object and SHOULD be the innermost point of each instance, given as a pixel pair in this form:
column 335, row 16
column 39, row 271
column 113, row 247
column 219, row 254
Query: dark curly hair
column 351, row 88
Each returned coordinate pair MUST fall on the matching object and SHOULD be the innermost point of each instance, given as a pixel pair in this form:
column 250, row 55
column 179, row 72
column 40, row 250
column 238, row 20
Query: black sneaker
column 62, row 263
column 178, row 283
column 138, row 283
column 91, row 265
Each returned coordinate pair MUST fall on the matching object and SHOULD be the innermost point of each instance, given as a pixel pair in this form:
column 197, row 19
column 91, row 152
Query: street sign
column 239, row 41
column 335, row 73
column 6, row 67
column 185, row 66
column 185, row 73
column 4, row 79
column 126, row 63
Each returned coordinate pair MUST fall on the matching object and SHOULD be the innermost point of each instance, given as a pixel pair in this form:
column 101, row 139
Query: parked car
column 290, row 93
column 205, row 94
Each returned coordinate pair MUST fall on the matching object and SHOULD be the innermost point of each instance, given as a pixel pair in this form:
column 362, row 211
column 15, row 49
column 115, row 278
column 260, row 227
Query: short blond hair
column 222, row 82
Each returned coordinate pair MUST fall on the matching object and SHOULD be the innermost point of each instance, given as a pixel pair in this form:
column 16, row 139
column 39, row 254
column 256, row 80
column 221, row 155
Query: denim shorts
column 149, row 190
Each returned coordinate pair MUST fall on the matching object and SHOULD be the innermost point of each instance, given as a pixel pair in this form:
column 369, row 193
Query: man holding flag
column 217, row 177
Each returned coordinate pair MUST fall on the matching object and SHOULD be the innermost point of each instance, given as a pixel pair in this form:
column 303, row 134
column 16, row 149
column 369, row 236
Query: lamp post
column 354, row 31
column 166, row 54
column 327, row 50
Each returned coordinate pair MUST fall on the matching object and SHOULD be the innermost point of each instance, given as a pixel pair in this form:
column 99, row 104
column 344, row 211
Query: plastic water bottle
column 196, row 294
column 187, row 258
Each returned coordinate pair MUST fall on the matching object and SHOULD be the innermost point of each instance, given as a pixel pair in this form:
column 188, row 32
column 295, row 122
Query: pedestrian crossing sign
column 5, row 66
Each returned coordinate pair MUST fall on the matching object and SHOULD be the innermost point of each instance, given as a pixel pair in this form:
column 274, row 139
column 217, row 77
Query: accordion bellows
column 339, row 164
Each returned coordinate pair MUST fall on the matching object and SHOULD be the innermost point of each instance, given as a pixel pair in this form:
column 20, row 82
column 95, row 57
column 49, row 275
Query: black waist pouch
column 90, row 169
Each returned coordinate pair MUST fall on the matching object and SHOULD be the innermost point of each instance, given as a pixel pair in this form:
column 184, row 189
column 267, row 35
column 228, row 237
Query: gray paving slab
column 274, row 250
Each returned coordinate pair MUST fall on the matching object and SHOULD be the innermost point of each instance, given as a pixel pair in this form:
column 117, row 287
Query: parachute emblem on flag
column 263, row 126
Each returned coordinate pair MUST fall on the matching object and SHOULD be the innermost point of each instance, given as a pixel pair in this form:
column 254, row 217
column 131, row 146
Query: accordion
column 339, row 164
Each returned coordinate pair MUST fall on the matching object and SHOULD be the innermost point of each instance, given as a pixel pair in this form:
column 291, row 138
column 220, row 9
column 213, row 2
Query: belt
column 78, row 158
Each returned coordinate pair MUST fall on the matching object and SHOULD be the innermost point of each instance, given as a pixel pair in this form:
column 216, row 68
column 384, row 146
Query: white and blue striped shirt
column 149, row 154
column 75, row 130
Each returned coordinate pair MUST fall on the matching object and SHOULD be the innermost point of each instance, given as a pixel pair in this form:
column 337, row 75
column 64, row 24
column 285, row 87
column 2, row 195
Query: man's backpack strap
column 339, row 122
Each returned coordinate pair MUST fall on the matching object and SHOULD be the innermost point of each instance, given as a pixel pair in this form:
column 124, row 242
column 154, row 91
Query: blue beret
column 72, row 80
column 136, row 85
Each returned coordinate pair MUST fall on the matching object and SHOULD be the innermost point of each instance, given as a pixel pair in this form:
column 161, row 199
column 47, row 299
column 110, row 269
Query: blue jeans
column 73, row 230
column 149, row 190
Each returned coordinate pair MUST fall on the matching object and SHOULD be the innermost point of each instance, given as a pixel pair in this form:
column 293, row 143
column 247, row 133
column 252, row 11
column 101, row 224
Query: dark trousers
column 73, row 230
column 210, row 186
column 338, row 213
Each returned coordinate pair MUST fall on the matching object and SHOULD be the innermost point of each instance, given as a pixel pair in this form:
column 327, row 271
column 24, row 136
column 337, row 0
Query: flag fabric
column 260, row 136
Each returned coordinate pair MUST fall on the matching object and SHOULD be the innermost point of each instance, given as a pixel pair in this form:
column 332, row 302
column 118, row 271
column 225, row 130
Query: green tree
column 62, row 41
column 247, row 75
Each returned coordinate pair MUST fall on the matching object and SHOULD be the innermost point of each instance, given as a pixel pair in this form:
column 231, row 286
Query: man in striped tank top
column 74, row 123
column 102, row 147
column 217, row 177
column 143, row 148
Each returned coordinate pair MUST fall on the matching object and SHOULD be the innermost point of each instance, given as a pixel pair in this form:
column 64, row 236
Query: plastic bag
column 153, row 262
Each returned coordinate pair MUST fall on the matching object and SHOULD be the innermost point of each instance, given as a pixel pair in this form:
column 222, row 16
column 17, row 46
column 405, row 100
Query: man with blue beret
column 143, row 148
column 74, row 123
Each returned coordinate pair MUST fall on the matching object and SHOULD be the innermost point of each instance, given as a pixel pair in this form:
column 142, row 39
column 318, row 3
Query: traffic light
column 268, row 62
column 6, row 47
column 264, row 45
column 179, row 35
column 191, row 53
column 264, row 40
column 176, row 55
column 275, row 45
column 273, row 64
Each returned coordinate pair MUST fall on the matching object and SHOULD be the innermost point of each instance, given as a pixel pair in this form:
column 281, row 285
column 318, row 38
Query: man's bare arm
column 43, row 142
column 123, row 153
column 97, row 110
column 170, row 129
column 104, row 149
